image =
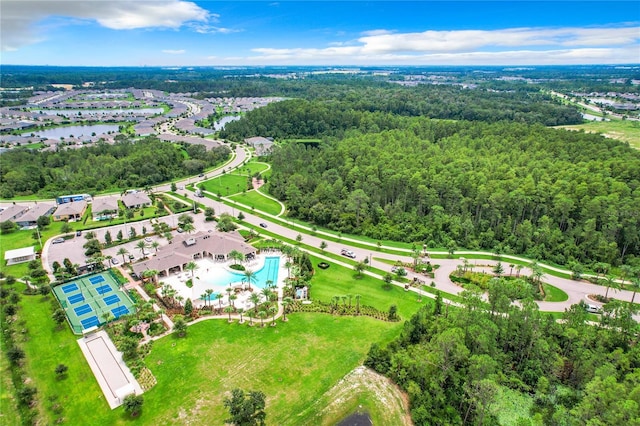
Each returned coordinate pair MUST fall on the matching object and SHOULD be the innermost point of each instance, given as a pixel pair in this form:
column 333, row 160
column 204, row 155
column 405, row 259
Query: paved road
column 576, row 290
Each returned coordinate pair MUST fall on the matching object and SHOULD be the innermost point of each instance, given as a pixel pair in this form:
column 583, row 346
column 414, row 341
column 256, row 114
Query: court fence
column 77, row 328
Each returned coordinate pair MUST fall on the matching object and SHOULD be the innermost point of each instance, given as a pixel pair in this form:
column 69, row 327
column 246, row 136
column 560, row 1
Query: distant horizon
column 516, row 67
column 167, row 33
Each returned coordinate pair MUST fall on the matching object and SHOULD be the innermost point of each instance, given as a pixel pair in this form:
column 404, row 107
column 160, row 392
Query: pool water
column 268, row 272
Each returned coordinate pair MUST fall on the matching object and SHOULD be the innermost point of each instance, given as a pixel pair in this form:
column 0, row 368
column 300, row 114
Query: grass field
column 46, row 346
column 19, row 239
column 9, row 415
column 259, row 201
column 294, row 363
column 225, row 185
column 235, row 182
column 623, row 130
column 554, row 294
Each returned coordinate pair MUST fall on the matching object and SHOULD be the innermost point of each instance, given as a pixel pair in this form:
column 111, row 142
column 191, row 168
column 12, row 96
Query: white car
column 593, row 309
column 57, row 241
column 348, row 253
column 148, row 239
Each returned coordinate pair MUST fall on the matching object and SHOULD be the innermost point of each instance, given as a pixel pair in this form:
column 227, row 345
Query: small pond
column 77, row 131
column 219, row 125
column 357, row 419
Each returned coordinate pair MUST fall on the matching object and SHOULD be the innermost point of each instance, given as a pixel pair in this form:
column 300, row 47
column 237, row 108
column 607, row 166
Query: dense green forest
column 452, row 363
column 101, row 167
column 345, row 108
column 546, row 193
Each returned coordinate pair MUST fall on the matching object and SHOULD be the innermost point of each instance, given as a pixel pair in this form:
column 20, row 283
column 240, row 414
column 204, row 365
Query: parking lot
column 72, row 248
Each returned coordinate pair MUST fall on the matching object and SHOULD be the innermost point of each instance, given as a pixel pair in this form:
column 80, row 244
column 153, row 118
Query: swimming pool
column 268, row 272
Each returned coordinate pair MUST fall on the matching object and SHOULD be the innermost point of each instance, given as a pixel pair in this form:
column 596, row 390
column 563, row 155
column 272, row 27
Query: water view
column 77, row 131
column 92, row 112
column 219, row 125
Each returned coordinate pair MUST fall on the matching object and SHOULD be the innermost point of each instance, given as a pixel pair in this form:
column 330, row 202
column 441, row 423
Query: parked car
column 57, row 241
column 348, row 253
column 78, row 233
column 594, row 309
column 180, row 230
column 114, row 261
column 263, row 225
column 148, row 239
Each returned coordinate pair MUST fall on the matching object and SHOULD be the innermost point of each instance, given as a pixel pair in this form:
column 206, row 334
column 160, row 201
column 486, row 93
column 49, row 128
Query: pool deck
column 178, row 283
column 111, row 372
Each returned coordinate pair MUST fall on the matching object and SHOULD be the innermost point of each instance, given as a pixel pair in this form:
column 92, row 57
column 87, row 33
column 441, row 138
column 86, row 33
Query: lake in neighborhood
column 77, row 131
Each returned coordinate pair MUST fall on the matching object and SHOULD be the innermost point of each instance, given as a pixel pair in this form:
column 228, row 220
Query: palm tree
column 250, row 276
column 232, row 299
column 251, row 314
column 518, row 269
column 635, row 285
column 219, row 297
column 121, row 252
column 285, row 303
column 236, row 256
column 208, row 292
column 229, row 310
column 141, row 245
column 188, row 227
column 273, row 310
column 262, row 314
column 255, row 299
column 155, row 245
column 610, row 282
column 149, row 274
column 240, row 312
column 358, row 303
column 191, row 266
column 203, row 297
column 511, row 265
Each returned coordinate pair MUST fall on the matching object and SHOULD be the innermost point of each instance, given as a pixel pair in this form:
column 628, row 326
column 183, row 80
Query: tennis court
column 88, row 299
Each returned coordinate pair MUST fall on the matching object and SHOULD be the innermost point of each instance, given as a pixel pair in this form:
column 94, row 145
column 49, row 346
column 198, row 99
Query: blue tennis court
column 75, row 298
column 97, row 279
column 110, row 300
column 90, row 322
column 86, row 299
column 70, row 287
column 120, row 310
column 81, row 310
column 103, row 289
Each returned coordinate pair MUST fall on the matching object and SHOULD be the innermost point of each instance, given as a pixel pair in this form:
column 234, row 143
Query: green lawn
column 46, row 347
column 259, row 201
column 294, row 363
column 554, row 294
column 251, row 168
column 225, row 185
column 623, row 130
column 19, row 239
column 341, row 281
column 9, row 415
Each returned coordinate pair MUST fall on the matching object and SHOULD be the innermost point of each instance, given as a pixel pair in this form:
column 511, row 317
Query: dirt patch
column 389, row 398
column 257, row 183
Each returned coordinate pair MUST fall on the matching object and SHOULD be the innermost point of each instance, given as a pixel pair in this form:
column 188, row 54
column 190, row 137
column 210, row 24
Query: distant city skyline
column 339, row 33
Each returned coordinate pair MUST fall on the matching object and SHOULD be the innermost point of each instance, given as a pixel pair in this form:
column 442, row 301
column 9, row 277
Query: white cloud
column 174, row 52
column 466, row 40
column 20, row 18
column 497, row 47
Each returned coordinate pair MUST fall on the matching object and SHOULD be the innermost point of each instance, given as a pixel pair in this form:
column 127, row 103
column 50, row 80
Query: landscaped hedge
column 339, row 309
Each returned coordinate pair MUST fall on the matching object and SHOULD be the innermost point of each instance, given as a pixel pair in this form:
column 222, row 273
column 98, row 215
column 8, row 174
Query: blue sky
column 217, row 33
